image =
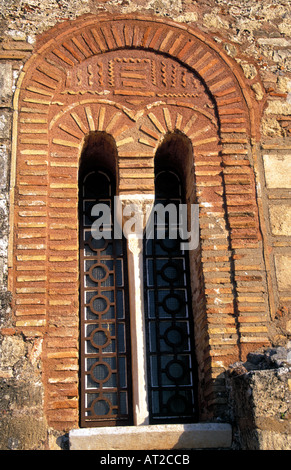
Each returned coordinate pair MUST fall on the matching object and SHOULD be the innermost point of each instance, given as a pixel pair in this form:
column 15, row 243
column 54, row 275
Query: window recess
column 105, row 344
column 171, row 364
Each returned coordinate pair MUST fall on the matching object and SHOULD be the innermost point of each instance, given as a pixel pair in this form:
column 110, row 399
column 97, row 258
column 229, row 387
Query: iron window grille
column 105, row 337
column 171, row 363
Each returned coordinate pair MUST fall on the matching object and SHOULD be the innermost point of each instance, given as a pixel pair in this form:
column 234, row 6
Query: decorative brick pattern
column 137, row 79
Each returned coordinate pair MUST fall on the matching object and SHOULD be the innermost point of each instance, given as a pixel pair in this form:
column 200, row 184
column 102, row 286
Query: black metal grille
column 105, row 342
column 169, row 321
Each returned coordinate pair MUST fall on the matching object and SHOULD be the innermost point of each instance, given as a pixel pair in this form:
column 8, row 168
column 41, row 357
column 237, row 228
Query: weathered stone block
column 4, row 159
column 259, row 390
column 280, row 219
column 279, row 107
column 3, row 227
column 277, row 171
column 275, row 42
column 6, row 81
column 12, row 350
column 189, row 436
column 283, row 271
column 23, row 432
column 5, row 124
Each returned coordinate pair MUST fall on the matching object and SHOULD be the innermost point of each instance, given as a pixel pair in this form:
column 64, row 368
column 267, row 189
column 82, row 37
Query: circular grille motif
column 174, row 336
column 100, row 372
column 172, row 303
column 97, row 245
column 169, row 244
column 170, row 272
column 99, row 304
column 98, row 272
column 100, row 338
column 175, row 370
column 100, row 407
column 177, row 404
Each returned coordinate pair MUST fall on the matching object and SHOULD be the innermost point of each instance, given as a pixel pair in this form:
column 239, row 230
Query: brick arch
column 63, row 50
column 71, row 87
column 72, row 44
column 66, row 47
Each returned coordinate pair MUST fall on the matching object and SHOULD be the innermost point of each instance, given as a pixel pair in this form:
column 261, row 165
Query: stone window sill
column 153, row 437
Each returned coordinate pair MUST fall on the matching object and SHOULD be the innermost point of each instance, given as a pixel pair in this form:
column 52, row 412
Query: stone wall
column 260, row 392
column 257, row 36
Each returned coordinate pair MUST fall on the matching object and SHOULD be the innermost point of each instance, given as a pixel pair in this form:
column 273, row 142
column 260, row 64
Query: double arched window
column 107, row 374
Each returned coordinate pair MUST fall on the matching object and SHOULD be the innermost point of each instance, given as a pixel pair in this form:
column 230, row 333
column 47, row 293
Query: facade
column 188, row 103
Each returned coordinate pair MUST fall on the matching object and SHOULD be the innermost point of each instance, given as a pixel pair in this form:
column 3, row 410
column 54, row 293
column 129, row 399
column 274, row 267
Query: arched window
column 104, row 334
column 110, row 383
column 171, row 363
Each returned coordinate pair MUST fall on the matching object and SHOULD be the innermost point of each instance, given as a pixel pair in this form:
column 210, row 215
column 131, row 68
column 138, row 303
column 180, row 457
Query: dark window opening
column 171, row 364
column 104, row 324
